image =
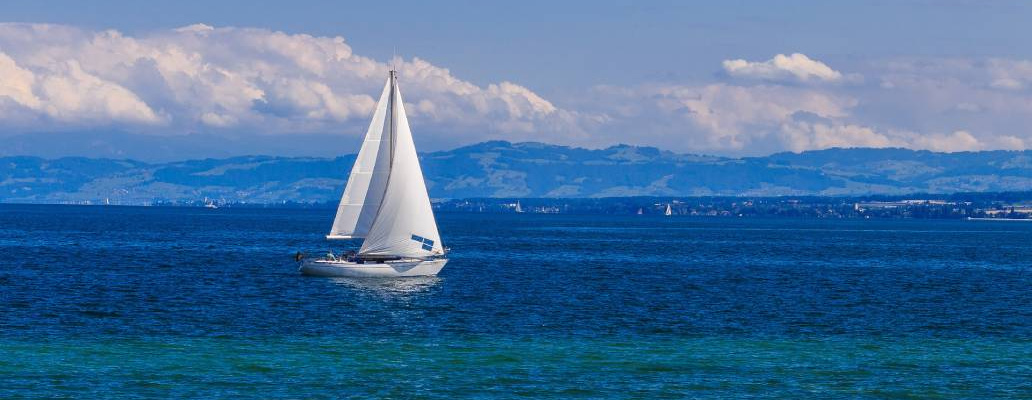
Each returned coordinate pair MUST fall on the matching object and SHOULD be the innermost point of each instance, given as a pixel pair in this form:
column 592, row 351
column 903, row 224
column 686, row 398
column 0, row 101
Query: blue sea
column 151, row 302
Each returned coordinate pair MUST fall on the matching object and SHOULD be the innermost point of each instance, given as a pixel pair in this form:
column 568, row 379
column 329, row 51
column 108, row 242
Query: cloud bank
column 201, row 78
column 257, row 81
column 797, row 103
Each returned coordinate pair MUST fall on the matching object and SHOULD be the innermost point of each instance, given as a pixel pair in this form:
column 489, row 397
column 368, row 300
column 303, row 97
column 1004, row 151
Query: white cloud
column 759, row 119
column 1008, row 142
column 1010, row 74
column 722, row 117
column 734, row 115
column 75, row 95
column 66, row 94
column 935, row 97
column 801, row 136
column 205, row 78
column 794, row 67
column 953, row 142
column 17, row 83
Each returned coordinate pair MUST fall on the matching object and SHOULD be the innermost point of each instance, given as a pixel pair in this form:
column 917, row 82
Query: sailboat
column 641, row 211
column 668, row 211
column 385, row 203
column 518, row 208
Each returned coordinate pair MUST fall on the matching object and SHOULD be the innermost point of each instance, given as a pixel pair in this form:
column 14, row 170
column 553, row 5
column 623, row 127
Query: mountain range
column 521, row 170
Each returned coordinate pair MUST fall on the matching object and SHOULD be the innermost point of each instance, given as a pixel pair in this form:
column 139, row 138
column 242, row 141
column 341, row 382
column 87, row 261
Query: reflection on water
column 391, row 287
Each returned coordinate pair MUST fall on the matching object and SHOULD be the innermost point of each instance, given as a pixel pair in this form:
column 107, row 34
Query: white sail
column 668, row 210
column 404, row 225
column 368, row 180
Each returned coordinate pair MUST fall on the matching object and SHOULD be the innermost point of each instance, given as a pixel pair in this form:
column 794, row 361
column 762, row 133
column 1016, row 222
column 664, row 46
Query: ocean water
column 127, row 302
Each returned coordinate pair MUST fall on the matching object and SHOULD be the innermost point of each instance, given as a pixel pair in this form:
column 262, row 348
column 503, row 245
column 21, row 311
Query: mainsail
column 391, row 208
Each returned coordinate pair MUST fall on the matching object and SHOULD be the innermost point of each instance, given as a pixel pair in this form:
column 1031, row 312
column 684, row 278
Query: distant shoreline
column 1003, row 206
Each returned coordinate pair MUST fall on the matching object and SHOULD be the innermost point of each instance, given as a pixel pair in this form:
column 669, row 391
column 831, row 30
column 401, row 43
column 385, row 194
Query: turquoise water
column 111, row 302
column 305, row 367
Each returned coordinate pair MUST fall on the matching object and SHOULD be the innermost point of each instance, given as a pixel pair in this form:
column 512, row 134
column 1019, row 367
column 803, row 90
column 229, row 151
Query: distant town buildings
column 1003, row 206
column 813, row 207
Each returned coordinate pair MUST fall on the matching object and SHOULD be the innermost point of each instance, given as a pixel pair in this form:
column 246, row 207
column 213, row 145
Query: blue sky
column 729, row 77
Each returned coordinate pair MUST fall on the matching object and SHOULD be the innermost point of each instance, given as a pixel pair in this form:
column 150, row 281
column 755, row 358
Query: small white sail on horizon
column 668, row 211
column 386, row 202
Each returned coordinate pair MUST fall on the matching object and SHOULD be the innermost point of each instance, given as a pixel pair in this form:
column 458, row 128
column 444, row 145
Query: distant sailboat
column 641, row 211
column 668, row 211
column 385, row 203
column 518, row 208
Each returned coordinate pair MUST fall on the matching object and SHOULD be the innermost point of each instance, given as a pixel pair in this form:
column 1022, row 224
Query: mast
column 394, row 108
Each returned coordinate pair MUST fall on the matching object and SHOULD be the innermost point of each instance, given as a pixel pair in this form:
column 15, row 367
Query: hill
column 511, row 170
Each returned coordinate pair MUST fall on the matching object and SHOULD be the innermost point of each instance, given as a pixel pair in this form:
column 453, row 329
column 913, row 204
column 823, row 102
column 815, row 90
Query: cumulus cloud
column 66, row 93
column 755, row 119
column 952, row 142
column 17, row 83
column 794, row 67
column 1009, row 142
column 734, row 116
column 205, row 78
column 759, row 119
column 933, row 97
column 1010, row 74
column 925, row 103
column 801, row 136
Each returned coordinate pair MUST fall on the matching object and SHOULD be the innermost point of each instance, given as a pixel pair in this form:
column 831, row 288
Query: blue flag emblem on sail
column 427, row 243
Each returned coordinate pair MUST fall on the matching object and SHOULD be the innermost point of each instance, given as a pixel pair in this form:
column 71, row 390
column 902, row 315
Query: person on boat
column 299, row 256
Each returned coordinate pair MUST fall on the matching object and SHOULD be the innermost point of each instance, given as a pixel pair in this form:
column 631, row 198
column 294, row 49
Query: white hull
column 373, row 270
